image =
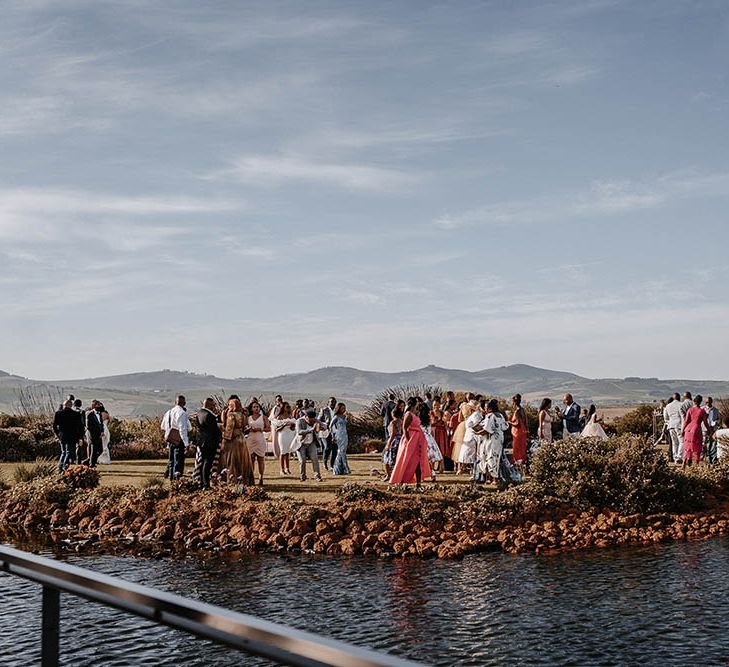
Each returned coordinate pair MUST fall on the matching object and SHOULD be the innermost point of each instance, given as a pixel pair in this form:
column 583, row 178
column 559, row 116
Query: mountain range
column 148, row 393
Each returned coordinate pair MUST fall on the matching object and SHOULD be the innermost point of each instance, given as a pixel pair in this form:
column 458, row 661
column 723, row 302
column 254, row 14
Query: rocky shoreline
column 367, row 522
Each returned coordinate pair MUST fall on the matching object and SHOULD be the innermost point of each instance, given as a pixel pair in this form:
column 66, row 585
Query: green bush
column 637, row 422
column 623, row 473
column 41, row 468
column 136, row 439
column 18, row 443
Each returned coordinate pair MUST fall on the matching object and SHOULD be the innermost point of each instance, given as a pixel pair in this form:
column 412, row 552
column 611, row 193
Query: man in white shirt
column 674, row 420
column 176, row 427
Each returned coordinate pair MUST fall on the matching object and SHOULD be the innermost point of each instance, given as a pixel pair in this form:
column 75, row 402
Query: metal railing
column 250, row 634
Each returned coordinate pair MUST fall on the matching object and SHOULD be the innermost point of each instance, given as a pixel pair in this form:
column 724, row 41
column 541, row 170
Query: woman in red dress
column 439, row 429
column 693, row 433
column 412, row 456
column 519, row 433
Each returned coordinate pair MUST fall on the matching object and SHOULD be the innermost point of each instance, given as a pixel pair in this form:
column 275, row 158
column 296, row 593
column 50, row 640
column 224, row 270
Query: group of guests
column 232, row 442
column 425, row 436
column 693, row 430
column 83, row 435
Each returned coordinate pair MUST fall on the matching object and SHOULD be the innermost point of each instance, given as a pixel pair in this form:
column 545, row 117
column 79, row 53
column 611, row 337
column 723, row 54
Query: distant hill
column 150, row 392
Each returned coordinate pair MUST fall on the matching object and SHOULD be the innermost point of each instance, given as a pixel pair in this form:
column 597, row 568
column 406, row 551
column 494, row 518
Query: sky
column 256, row 188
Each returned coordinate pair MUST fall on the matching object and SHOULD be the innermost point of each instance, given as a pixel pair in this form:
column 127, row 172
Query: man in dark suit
column 68, row 425
column 570, row 417
column 95, row 427
column 209, row 438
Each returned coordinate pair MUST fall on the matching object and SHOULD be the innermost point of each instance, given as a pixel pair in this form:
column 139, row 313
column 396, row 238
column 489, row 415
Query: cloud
column 517, row 43
column 274, row 170
column 603, row 198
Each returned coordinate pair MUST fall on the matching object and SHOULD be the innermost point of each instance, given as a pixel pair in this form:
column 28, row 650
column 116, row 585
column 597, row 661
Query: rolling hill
column 149, row 393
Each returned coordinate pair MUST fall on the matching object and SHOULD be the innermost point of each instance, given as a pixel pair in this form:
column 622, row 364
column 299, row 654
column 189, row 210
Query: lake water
column 666, row 605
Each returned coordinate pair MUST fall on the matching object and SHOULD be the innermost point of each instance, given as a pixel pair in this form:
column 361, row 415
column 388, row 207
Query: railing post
column 50, row 626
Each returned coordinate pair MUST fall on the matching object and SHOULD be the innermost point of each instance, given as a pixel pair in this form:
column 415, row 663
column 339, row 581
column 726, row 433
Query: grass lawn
column 133, row 473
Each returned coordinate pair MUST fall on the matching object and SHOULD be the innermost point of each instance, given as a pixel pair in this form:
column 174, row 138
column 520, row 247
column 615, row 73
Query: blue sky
column 250, row 188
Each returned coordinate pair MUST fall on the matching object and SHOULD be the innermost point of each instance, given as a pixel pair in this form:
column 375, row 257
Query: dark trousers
column 65, row 459
column 80, row 452
column 95, row 448
column 175, row 461
column 330, row 451
column 207, row 456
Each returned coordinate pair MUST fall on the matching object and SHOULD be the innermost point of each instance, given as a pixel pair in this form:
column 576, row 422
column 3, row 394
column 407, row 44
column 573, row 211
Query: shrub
column 373, row 445
column 153, row 488
column 81, row 477
column 637, row 422
column 136, row 439
column 183, row 486
column 41, row 494
column 19, row 444
column 41, row 468
column 722, row 404
column 625, row 474
column 351, row 492
column 10, row 421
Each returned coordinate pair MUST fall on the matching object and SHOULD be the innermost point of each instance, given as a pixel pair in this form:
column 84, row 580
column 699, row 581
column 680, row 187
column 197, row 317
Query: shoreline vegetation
column 581, row 494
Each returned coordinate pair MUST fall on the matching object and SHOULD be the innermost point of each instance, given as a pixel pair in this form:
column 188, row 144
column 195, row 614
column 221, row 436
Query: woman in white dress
column 545, row 421
column 469, row 446
column 283, row 428
column 593, row 429
column 105, row 457
column 275, row 411
column 491, row 445
column 258, row 424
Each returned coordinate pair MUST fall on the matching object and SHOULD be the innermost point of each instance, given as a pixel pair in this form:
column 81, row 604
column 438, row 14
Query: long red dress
column 413, row 450
column 440, row 432
column 519, row 435
column 693, row 435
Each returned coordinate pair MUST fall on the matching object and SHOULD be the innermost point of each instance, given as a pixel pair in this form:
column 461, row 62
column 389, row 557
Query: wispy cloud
column 49, row 214
column 603, row 198
column 274, row 170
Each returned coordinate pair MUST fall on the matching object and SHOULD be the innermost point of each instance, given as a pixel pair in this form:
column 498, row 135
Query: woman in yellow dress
column 236, row 459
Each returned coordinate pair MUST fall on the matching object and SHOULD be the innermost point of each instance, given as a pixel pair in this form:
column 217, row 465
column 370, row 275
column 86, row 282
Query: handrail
column 253, row 635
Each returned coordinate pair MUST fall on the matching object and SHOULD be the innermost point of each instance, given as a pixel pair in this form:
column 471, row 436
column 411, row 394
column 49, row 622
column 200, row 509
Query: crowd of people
column 426, row 436
column 232, row 443
column 423, row 436
column 693, row 429
column 83, row 434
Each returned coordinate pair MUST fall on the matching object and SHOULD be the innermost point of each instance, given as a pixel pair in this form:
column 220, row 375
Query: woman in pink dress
column 412, row 456
column 693, row 433
column 519, row 433
column 439, row 429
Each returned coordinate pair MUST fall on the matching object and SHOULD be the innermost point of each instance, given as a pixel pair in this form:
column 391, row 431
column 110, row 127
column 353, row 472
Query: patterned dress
column 389, row 456
column 338, row 427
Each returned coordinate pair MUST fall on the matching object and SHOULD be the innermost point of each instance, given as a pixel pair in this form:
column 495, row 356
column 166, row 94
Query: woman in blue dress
column 338, row 427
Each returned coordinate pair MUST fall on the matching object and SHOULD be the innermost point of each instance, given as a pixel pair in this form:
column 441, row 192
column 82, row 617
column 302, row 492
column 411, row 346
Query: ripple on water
column 659, row 605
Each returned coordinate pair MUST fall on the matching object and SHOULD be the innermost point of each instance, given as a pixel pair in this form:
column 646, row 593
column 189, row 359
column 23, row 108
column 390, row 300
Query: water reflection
column 662, row 604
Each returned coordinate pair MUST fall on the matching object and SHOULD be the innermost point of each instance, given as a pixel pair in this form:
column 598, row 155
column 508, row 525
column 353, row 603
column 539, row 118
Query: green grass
column 136, row 473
